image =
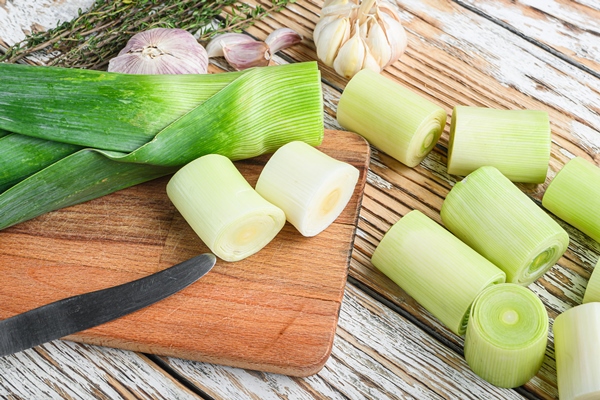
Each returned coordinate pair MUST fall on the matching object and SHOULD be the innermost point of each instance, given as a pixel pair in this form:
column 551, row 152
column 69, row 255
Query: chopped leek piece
column 230, row 217
column 506, row 335
column 576, row 333
column 592, row 291
column 391, row 117
column 517, row 142
column 446, row 280
column 574, row 196
column 311, row 187
column 489, row 213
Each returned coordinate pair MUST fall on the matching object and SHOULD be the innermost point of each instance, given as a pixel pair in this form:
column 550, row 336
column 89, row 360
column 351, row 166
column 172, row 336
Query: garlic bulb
column 242, row 52
column 161, row 51
column 351, row 36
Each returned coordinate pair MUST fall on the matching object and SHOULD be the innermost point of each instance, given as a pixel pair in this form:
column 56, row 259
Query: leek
column 506, row 335
column 311, row 187
column 592, row 291
column 445, row 280
column 391, row 117
column 238, row 115
column 489, row 213
column 574, row 196
column 230, row 217
column 576, row 333
column 516, row 142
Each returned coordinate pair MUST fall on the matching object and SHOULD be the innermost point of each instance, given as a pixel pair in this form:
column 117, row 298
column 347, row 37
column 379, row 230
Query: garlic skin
column 352, row 35
column 242, row 52
column 161, row 51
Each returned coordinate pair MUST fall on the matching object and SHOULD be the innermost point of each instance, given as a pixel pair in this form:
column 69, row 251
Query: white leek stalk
column 435, row 268
column 311, row 187
column 391, row 117
column 574, row 196
column 592, row 291
column 489, row 213
column 507, row 335
column 517, row 142
column 230, row 217
column 577, row 349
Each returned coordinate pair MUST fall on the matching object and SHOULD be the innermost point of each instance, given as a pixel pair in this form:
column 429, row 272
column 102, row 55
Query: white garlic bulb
column 352, row 35
column 161, row 51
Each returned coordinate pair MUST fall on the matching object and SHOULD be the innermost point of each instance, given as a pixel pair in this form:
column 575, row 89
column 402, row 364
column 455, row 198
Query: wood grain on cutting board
column 275, row 311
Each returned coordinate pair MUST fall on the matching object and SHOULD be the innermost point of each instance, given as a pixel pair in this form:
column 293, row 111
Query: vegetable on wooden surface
column 516, row 142
column 506, row 335
column 445, row 280
column 592, row 291
column 230, row 217
column 391, row 117
column 574, row 196
column 494, row 217
column 137, row 127
column 311, row 187
column 576, row 333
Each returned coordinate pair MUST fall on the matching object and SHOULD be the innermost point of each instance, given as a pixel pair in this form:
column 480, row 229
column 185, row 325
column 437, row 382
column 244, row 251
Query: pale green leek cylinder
column 311, row 187
column 435, row 268
column 489, row 213
column 393, row 118
column 230, row 217
column 574, row 196
column 577, row 349
column 506, row 335
column 592, row 291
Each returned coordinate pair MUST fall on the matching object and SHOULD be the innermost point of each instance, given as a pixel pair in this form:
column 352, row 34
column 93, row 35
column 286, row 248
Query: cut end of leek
column 391, row 117
column 592, row 291
column 311, row 187
column 444, row 281
column 516, row 142
column 576, row 333
column 574, row 196
column 491, row 215
column 506, row 335
column 230, row 217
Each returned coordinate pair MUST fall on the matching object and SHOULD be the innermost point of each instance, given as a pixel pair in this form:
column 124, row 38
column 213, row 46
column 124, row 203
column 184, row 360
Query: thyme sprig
column 94, row 37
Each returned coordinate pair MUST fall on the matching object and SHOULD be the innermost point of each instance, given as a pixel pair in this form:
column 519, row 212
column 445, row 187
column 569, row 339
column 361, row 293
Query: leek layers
column 507, row 335
column 311, row 187
column 445, row 278
column 577, row 348
column 574, row 196
column 516, row 142
column 490, row 214
column 230, row 217
column 592, row 291
column 391, row 117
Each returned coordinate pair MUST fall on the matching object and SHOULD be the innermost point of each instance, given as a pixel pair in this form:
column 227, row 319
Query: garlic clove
column 370, row 61
column 161, row 51
column 282, row 38
column 396, row 36
column 322, row 24
column 389, row 10
column 351, row 56
column 378, row 45
column 215, row 47
column 332, row 36
column 246, row 55
column 367, row 8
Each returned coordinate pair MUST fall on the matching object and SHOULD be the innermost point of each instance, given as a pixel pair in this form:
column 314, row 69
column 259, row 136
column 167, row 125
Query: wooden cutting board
column 275, row 311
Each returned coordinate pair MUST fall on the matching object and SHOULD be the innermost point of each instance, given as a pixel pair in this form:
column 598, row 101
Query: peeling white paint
column 588, row 138
column 378, row 181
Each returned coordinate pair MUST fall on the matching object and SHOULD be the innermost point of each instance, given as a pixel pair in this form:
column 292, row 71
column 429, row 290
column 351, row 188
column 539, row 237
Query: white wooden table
column 536, row 54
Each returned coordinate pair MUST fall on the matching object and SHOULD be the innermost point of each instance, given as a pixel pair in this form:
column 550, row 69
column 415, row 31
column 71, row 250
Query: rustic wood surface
column 536, row 54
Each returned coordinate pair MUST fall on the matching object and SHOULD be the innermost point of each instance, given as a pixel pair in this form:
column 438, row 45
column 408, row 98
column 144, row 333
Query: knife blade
column 77, row 313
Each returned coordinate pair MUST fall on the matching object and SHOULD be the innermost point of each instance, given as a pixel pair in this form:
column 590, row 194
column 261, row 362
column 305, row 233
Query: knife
column 74, row 314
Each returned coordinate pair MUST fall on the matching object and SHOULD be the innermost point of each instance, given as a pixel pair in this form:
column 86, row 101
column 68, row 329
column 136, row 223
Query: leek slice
column 444, row 281
column 574, row 196
column 489, row 213
column 230, row 217
column 576, row 333
column 506, row 335
column 516, row 142
column 592, row 291
column 393, row 118
column 311, row 187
